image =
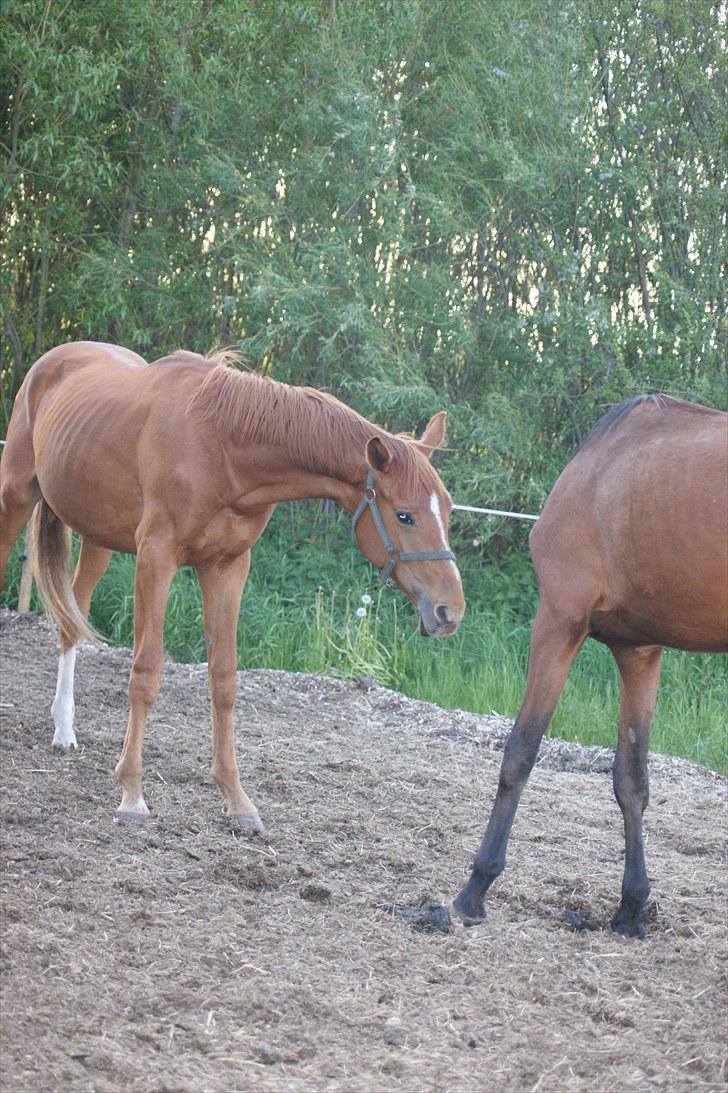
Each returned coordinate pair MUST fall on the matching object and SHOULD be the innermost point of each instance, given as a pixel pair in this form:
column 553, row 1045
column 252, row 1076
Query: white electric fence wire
column 495, row 512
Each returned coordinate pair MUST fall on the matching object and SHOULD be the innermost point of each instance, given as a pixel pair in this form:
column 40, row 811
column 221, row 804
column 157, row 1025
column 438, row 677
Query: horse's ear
column 434, row 434
column 378, row 454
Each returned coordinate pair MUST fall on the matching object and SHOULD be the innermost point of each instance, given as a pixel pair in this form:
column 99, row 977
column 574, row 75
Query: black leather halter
column 394, row 556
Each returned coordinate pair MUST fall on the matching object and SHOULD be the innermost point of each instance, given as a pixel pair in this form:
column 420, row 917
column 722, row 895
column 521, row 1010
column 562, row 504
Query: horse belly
column 643, row 625
column 86, row 468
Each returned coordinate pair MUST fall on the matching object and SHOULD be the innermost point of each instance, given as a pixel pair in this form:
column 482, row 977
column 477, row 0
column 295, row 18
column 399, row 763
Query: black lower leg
column 554, row 644
column 632, row 793
column 640, row 671
column 518, row 759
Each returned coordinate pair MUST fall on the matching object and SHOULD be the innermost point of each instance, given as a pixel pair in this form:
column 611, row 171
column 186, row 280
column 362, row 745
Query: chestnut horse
column 182, row 462
column 631, row 549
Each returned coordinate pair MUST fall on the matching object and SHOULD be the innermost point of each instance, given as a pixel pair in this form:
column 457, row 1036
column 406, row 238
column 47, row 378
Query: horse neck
column 307, row 445
column 283, row 479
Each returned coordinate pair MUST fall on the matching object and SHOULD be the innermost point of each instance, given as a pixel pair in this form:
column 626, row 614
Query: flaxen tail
column 51, row 540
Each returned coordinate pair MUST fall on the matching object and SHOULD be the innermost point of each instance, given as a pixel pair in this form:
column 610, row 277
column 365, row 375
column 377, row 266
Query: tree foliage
column 515, row 211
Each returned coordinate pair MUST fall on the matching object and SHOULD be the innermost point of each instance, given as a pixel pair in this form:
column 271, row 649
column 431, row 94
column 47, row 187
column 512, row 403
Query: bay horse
column 631, row 549
column 182, row 462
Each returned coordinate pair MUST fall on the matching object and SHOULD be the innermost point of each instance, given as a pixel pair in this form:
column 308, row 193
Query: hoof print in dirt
column 395, row 1034
column 315, row 893
column 581, row 922
column 428, row 916
column 268, row 1054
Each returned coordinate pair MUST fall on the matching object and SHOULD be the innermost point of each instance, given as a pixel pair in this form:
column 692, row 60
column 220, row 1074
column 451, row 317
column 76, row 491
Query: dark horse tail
column 51, row 548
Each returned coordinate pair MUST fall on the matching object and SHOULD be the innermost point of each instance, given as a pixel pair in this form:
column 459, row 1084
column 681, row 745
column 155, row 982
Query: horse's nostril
column 441, row 614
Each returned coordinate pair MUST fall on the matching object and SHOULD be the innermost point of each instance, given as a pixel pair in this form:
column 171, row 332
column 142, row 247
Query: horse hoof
column 248, row 823
column 468, row 913
column 64, row 744
column 629, row 929
column 130, row 817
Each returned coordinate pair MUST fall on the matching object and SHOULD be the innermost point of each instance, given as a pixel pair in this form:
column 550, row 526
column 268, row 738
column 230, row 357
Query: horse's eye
column 405, row 518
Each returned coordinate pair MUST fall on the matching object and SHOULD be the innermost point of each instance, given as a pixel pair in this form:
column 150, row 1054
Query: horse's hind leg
column 222, row 587
column 18, row 492
column 554, row 644
column 13, row 518
column 640, row 675
column 92, row 563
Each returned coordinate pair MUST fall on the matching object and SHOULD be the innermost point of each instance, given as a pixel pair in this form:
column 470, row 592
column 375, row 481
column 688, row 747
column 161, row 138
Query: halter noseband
column 394, row 556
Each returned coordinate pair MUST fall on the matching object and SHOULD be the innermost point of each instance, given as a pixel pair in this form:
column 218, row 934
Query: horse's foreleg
column 92, row 563
column 640, row 676
column 222, row 587
column 154, row 571
column 553, row 648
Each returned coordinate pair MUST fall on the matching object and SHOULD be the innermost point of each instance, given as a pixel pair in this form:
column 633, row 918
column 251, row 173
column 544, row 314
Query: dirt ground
column 173, row 955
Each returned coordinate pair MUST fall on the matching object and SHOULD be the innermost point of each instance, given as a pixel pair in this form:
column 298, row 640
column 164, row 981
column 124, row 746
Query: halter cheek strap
column 394, row 556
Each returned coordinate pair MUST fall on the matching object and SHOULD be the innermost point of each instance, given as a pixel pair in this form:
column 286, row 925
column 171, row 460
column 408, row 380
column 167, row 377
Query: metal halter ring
column 394, row 555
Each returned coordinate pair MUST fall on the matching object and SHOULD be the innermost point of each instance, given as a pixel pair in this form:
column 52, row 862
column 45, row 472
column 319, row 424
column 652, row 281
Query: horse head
column 401, row 524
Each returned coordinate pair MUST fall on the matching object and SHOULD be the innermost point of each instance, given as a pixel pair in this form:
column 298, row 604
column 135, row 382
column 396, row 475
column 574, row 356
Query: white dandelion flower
column 361, row 612
column 366, row 599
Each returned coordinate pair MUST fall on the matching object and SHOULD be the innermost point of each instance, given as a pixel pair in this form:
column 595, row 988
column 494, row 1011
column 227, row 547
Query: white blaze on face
column 435, row 510
column 63, row 704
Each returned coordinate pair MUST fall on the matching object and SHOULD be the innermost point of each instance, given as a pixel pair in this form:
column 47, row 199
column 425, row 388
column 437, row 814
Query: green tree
column 514, row 211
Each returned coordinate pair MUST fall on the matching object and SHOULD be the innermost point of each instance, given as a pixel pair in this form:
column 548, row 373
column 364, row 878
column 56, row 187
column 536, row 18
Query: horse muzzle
column 439, row 621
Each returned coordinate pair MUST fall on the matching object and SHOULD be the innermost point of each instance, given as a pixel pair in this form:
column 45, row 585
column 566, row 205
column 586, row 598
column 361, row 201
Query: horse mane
column 321, row 433
column 226, row 356
column 663, row 402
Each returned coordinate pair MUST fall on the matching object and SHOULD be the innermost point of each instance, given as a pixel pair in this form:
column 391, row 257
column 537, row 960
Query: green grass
column 299, row 614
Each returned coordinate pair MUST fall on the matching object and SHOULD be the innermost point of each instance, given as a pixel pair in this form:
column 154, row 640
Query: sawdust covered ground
column 174, row 956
